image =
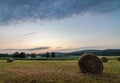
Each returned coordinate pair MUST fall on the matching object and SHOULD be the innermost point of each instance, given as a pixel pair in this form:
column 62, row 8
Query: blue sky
column 93, row 28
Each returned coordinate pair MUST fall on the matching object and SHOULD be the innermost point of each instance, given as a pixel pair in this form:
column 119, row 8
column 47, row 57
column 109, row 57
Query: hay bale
column 118, row 58
column 10, row 60
column 104, row 59
column 89, row 63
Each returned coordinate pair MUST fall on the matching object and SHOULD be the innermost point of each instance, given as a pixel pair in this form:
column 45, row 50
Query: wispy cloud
column 28, row 34
column 52, row 9
column 39, row 48
column 70, row 49
column 28, row 49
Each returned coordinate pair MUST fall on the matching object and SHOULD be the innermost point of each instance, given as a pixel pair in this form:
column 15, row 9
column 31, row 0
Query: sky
column 59, row 25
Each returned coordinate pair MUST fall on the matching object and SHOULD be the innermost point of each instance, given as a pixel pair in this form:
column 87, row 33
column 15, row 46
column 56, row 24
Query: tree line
column 32, row 55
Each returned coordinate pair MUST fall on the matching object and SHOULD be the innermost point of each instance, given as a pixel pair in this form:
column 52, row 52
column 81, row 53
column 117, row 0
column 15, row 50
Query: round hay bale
column 104, row 59
column 10, row 60
column 118, row 58
column 89, row 63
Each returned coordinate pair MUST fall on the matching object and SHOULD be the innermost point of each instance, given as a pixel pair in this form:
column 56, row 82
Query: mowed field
column 55, row 71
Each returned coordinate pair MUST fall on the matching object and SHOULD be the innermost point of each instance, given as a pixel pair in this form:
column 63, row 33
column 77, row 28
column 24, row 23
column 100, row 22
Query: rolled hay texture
column 118, row 58
column 89, row 63
column 10, row 60
column 104, row 59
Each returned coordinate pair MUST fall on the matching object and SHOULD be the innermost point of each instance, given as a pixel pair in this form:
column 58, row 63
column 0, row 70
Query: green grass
column 57, row 71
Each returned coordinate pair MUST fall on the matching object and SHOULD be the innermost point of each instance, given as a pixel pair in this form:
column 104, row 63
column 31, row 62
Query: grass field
column 57, row 71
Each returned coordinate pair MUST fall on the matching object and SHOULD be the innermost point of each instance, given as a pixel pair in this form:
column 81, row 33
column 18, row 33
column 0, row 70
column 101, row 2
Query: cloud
column 70, row 49
column 58, row 47
column 14, row 10
column 28, row 34
column 29, row 49
column 39, row 48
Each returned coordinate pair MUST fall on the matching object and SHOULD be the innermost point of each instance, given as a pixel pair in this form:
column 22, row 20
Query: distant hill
column 106, row 52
